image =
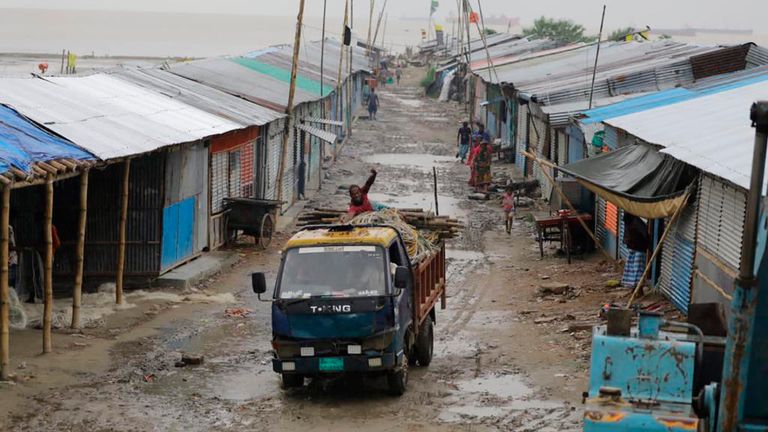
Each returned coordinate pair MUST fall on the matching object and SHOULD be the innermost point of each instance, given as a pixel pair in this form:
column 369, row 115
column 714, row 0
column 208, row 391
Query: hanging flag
column 474, row 17
column 435, row 4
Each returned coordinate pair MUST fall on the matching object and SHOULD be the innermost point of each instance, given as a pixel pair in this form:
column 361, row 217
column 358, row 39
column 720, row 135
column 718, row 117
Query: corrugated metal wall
column 719, row 232
column 186, row 176
column 575, row 144
column 522, row 137
column 274, row 148
column 144, row 225
column 677, row 257
column 623, row 249
column 721, row 219
column 611, row 138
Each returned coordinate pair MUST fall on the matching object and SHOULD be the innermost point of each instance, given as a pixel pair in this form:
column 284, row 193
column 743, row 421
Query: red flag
column 474, row 18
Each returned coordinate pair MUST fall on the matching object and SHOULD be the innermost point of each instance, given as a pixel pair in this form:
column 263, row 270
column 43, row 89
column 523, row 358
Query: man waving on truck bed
column 359, row 202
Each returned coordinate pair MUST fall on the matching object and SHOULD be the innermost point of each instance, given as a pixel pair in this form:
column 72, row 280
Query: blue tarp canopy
column 22, row 143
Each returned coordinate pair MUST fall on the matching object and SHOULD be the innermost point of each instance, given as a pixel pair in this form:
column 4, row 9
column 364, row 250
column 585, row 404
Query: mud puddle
column 447, row 204
column 422, row 162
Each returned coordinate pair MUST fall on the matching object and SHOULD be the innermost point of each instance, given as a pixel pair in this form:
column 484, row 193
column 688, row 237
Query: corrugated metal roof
column 280, row 71
column 559, row 115
column 712, row 133
column 109, row 117
column 237, row 80
column 326, row 136
column 539, row 71
column 708, row 86
column 200, row 96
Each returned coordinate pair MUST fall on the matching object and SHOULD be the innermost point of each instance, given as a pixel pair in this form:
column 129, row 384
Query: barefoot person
column 508, row 204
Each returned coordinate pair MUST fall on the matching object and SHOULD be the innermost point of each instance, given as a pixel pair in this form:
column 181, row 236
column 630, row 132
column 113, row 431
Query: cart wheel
column 267, row 230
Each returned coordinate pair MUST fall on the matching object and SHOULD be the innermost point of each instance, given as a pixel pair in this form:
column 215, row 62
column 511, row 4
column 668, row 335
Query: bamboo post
column 80, row 250
column 291, row 95
column 434, row 180
column 569, row 204
column 48, row 265
column 656, row 251
column 121, row 233
column 4, row 289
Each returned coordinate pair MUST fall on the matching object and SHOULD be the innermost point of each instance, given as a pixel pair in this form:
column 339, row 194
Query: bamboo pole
column 656, row 251
column 569, row 204
column 4, row 289
column 80, row 250
column 291, row 95
column 48, row 266
column 121, row 233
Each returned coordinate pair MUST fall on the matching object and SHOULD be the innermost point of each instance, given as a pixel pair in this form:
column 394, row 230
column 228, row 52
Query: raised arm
column 368, row 183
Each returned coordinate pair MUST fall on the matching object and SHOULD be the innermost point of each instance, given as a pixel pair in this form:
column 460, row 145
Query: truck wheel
column 425, row 342
column 398, row 380
column 292, row 381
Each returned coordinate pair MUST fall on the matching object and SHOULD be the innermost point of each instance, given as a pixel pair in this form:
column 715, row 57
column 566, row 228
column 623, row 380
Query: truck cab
column 343, row 302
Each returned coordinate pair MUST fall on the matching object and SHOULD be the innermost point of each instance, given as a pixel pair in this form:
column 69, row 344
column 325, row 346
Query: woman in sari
column 481, row 166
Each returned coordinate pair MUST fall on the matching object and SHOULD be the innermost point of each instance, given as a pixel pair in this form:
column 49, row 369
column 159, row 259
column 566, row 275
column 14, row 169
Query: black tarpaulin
column 636, row 178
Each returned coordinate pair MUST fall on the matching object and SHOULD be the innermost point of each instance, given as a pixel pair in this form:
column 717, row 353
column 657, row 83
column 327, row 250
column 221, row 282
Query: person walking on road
column 508, row 204
column 463, row 138
column 481, row 167
column 373, row 104
column 636, row 239
column 398, row 74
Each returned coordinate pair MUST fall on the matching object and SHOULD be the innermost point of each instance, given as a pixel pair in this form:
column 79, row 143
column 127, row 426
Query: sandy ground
column 506, row 357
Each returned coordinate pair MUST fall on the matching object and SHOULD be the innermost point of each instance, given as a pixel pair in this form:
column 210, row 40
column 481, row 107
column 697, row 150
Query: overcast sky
column 655, row 13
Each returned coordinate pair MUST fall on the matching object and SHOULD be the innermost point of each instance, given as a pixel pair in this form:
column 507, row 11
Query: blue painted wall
column 178, row 232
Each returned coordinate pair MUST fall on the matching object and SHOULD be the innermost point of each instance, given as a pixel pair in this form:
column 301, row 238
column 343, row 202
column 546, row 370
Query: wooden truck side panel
column 428, row 285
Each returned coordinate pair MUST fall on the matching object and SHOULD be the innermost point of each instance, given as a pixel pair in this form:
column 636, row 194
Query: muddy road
column 497, row 365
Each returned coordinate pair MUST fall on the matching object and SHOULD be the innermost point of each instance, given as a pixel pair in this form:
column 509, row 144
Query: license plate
column 331, row 364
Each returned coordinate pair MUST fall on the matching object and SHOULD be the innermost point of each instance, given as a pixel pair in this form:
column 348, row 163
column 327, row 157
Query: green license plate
column 331, row 364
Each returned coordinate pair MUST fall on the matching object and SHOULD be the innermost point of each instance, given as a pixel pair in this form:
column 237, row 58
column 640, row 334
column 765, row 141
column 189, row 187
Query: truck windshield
column 333, row 271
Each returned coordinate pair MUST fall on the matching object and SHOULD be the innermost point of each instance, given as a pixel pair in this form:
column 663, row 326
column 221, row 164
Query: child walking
column 508, row 204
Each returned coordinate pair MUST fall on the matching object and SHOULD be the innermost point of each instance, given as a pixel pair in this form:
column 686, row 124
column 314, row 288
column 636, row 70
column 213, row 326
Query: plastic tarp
column 22, row 143
column 636, row 178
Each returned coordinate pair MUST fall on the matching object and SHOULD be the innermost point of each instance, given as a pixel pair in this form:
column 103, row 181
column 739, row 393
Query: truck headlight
column 307, row 351
column 354, row 349
column 289, row 366
column 374, row 362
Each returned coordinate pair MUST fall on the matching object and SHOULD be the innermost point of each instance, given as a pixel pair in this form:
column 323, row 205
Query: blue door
column 178, row 232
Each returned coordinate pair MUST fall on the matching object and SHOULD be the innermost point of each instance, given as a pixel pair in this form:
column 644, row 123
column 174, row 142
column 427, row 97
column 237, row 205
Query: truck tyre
column 425, row 342
column 292, row 381
column 398, row 380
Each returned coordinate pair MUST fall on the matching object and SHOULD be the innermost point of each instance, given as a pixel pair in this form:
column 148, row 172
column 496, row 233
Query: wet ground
column 506, row 358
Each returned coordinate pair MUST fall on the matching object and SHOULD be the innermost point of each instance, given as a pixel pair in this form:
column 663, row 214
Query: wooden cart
column 253, row 217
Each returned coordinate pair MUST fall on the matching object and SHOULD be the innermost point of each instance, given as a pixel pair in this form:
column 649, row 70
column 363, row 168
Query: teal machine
column 670, row 376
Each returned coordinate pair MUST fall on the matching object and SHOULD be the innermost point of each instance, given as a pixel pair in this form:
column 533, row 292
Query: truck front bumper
column 355, row 363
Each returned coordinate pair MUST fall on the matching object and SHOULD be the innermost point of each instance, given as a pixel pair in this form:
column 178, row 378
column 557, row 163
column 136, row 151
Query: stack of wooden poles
column 444, row 227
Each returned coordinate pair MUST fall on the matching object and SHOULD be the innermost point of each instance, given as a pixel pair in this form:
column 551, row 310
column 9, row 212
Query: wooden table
column 557, row 228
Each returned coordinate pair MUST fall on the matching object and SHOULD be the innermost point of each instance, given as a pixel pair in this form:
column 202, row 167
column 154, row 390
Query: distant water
column 167, row 34
column 198, row 35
